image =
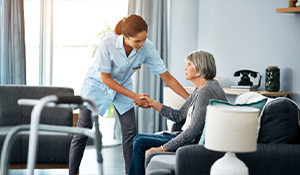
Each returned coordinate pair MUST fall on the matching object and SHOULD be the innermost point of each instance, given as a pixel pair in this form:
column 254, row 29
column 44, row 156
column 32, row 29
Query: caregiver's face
column 137, row 41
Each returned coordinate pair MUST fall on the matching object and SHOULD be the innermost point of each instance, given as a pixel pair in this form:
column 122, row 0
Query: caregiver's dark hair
column 131, row 25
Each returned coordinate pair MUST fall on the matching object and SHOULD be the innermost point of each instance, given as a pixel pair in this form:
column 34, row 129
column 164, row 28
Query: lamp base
column 229, row 164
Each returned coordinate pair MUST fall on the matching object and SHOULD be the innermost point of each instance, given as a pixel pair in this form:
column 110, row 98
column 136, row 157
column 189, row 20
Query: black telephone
column 245, row 79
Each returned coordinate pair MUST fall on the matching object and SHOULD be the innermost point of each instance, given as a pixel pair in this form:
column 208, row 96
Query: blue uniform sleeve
column 153, row 60
column 103, row 56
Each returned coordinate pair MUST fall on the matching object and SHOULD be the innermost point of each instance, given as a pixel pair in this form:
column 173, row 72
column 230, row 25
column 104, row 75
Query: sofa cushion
column 279, row 122
column 50, row 151
column 258, row 104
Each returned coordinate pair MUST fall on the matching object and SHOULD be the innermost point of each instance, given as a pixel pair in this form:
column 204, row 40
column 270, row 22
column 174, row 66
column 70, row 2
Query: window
column 76, row 24
column 32, row 28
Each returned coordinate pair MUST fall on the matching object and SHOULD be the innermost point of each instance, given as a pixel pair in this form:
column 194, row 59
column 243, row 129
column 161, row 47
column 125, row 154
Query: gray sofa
column 278, row 149
column 53, row 148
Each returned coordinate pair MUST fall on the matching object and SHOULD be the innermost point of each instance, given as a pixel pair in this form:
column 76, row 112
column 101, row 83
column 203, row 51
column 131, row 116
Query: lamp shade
column 231, row 128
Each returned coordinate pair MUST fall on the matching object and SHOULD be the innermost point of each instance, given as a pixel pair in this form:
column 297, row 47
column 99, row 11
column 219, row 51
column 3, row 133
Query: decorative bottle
column 272, row 78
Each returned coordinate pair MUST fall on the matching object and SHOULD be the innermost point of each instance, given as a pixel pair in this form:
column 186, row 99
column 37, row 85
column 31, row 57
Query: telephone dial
column 245, row 79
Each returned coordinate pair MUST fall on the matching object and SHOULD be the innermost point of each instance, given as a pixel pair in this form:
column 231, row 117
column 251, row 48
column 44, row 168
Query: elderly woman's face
column 190, row 72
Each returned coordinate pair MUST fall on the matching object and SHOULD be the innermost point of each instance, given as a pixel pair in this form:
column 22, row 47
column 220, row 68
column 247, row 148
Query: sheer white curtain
column 155, row 12
column 12, row 42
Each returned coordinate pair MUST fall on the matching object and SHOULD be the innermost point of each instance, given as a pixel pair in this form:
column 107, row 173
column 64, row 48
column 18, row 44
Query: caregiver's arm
column 174, row 84
column 108, row 81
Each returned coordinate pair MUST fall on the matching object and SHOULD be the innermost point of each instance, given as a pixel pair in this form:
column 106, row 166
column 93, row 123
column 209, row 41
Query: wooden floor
column 113, row 164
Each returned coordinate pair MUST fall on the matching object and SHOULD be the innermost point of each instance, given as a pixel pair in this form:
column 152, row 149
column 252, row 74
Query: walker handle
column 69, row 99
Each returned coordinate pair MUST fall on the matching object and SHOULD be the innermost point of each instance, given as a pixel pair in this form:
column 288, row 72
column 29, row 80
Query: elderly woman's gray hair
column 203, row 63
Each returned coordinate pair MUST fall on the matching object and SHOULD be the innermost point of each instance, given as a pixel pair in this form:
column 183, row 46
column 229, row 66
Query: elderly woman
column 200, row 70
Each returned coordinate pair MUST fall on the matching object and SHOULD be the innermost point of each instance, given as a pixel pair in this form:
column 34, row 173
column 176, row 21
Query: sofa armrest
column 152, row 154
column 268, row 159
column 195, row 159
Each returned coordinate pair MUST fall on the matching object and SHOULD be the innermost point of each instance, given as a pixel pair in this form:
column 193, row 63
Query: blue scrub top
column 112, row 59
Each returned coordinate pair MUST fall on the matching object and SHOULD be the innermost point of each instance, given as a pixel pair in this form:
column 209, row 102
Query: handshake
column 144, row 101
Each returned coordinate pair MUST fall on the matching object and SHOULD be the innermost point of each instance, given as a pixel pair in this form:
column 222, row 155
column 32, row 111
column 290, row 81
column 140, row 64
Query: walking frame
column 35, row 127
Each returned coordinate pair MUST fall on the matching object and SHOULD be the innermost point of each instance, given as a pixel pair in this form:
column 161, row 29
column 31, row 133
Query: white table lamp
column 231, row 129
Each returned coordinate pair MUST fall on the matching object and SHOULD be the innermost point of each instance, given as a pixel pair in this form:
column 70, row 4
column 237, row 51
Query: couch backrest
column 12, row 114
column 279, row 123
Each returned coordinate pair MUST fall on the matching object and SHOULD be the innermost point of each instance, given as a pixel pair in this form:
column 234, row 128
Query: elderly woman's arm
column 194, row 130
column 176, row 115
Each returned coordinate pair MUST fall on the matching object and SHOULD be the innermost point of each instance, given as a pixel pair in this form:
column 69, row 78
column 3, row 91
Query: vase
column 292, row 3
column 272, row 78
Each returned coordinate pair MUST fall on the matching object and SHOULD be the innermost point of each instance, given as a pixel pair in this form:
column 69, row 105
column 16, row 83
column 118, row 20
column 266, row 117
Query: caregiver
column 108, row 80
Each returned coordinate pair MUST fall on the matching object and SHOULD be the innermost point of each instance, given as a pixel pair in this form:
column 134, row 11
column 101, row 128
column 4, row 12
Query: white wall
column 247, row 34
column 183, row 35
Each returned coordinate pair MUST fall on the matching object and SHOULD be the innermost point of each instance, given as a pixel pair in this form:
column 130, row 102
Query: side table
column 264, row 93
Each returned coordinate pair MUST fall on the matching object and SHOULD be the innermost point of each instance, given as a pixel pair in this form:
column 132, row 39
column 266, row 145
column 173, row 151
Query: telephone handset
column 245, row 79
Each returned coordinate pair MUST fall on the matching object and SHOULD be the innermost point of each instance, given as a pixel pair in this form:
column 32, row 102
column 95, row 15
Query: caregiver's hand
column 141, row 102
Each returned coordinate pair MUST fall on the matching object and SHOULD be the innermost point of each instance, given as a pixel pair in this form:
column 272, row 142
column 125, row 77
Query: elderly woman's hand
column 157, row 149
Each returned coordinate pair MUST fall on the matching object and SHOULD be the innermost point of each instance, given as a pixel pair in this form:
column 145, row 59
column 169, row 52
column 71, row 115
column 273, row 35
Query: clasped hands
column 143, row 101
